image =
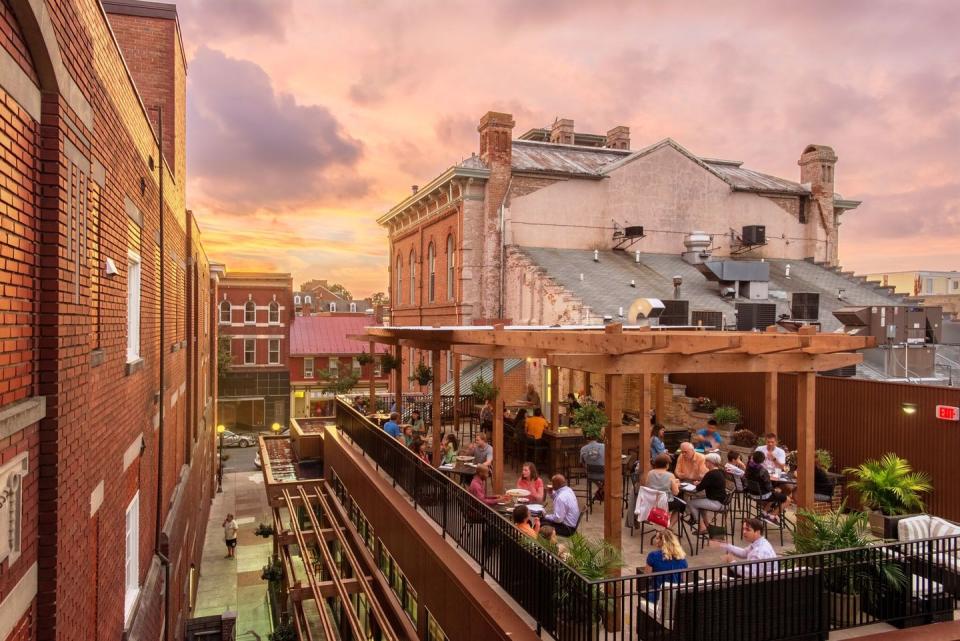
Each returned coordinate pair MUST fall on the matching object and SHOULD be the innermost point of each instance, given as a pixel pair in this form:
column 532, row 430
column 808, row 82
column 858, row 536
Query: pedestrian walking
column 230, row 529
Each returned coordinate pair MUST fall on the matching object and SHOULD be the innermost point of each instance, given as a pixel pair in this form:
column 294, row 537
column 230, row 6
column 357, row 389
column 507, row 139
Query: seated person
column 407, row 435
column 656, row 442
column 486, row 415
column 822, row 484
column 669, row 555
column 361, row 405
column 593, row 452
column 572, row 404
column 519, row 423
column 707, row 438
column 736, row 468
column 419, row 448
column 521, row 518
column 478, row 486
column 757, row 473
column 690, row 464
column 449, row 448
column 566, row 509
column 660, row 478
column 482, row 452
column 530, row 480
column 535, row 425
column 416, row 421
column 714, row 487
column 548, row 536
column 391, row 427
column 759, row 549
column 774, row 458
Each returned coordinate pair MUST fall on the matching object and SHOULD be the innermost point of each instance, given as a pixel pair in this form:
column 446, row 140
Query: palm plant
column 890, row 485
column 593, row 559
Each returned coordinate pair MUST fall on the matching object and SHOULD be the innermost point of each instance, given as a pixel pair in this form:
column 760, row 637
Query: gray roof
column 605, row 287
column 535, row 156
column 743, row 179
column 474, row 371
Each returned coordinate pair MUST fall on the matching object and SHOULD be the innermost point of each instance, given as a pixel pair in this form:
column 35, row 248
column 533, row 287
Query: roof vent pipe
column 636, row 256
column 596, row 255
column 414, row 188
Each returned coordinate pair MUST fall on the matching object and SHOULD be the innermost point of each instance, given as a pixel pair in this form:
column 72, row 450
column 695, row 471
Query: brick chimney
column 817, row 163
column 618, row 138
column 378, row 314
column 496, row 151
column 562, row 131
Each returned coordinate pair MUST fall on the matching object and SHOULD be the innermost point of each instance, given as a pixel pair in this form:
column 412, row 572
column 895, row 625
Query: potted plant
column 743, row 441
column 891, row 489
column 283, row 632
column 389, row 362
column 726, row 417
column 593, row 560
column 703, row 405
column 824, row 458
column 422, row 374
column 483, row 390
column 591, row 420
column 272, row 572
column 364, row 359
column 852, row 576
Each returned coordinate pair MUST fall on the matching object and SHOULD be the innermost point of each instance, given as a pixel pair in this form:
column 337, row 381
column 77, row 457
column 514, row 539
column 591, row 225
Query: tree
column 224, row 357
column 341, row 291
column 379, row 299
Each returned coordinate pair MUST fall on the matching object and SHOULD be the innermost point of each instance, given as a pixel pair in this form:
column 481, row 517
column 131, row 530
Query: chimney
column 816, row 170
column 562, row 131
column 496, row 152
column 414, row 188
column 496, row 135
column 619, row 137
column 378, row 314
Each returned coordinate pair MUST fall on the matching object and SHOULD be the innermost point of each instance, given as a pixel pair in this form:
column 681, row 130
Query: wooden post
column 770, row 401
column 373, row 380
column 570, row 387
column 398, row 379
column 456, row 395
column 612, row 465
column 435, row 412
column 555, row 396
column 658, row 397
column 806, row 437
column 497, row 436
column 586, row 384
column 646, row 384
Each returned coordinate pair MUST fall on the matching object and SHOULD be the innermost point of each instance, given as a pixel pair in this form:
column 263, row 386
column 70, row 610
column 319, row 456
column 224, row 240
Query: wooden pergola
column 614, row 351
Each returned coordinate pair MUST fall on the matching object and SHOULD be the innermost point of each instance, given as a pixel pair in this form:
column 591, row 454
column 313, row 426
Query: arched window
column 451, row 268
column 432, row 266
column 413, row 278
column 250, row 313
column 353, row 307
column 296, row 300
column 225, row 312
column 274, row 316
column 333, row 307
column 398, row 295
column 307, row 300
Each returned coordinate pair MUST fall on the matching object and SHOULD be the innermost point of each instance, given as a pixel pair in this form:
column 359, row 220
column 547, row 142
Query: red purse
column 659, row 516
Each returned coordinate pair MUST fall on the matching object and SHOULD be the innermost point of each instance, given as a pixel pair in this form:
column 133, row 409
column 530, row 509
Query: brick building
column 316, row 296
column 254, row 312
column 106, row 385
column 322, row 353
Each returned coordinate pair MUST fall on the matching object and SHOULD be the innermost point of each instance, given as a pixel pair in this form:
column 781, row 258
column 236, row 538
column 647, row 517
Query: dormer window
column 353, row 307
column 296, row 300
column 333, row 307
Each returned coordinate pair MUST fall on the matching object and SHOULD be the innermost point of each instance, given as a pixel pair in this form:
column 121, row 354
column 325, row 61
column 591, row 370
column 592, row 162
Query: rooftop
column 310, row 335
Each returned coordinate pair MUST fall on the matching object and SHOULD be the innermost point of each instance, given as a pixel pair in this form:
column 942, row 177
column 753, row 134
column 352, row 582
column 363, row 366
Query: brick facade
column 82, row 195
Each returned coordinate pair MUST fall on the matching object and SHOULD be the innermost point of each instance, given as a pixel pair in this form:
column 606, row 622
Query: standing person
column 566, row 510
column 230, row 529
column 391, row 427
column 486, row 416
column 656, row 442
column 572, row 403
column 758, row 550
column 774, row 458
column 708, row 438
column 535, row 425
column 532, row 396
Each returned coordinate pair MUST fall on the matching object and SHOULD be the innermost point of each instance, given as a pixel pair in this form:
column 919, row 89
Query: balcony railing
column 803, row 596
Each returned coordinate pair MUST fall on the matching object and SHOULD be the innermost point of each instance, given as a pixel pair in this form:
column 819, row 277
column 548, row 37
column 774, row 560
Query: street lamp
column 220, row 430
column 276, row 428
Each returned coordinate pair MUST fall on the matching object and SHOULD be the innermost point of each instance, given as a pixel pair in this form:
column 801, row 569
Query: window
column 449, row 366
column 377, row 368
column 398, row 295
column 250, row 313
column 333, row 368
column 432, row 266
column 225, row 317
column 353, row 307
column 355, row 368
column 451, row 268
column 133, row 307
column 249, row 351
column 413, row 278
column 273, row 352
column 132, row 565
column 929, row 286
column 333, row 307
column 307, row 300
column 296, row 300
column 273, row 316
column 308, row 367
column 955, row 284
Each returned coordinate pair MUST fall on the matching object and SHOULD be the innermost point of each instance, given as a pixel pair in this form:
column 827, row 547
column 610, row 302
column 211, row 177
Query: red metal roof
column 311, row 335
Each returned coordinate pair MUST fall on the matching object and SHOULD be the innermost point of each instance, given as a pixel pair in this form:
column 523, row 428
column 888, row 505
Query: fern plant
column 422, row 374
column 389, row 362
column 890, row 485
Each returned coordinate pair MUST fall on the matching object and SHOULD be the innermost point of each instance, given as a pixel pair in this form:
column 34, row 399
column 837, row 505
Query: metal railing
column 906, row 583
column 424, row 403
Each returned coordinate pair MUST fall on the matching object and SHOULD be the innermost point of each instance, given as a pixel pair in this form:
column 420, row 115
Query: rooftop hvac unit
column 633, row 231
column 805, row 306
column 755, row 316
column 754, row 235
column 853, row 316
column 644, row 309
column 706, row 318
column 675, row 313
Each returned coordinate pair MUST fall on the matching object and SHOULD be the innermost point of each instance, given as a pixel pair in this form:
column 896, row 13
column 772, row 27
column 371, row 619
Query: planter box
column 845, row 609
column 883, row 526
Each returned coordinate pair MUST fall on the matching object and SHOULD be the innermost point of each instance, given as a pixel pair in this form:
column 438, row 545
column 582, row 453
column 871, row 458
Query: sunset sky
column 308, row 119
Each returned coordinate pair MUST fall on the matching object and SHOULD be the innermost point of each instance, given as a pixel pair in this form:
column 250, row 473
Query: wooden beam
column 456, row 393
column 398, row 379
column 497, row 437
column 658, row 396
column 424, row 344
column 770, row 402
column 646, row 385
column 806, row 438
column 705, row 363
column 587, row 385
column 373, row 379
column 612, row 465
column 436, row 410
column 496, row 351
column 555, row 396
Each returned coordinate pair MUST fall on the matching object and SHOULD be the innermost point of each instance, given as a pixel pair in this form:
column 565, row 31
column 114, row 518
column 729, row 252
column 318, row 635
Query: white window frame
column 432, row 272
column 451, row 268
column 353, row 307
column 377, row 367
column 134, row 291
column 413, row 278
column 246, row 343
column 225, row 306
column 307, row 300
column 296, row 300
column 398, row 295
column 928, row 285
column 333, row 368
column 273, row 314
column 270, row 351
column 249, row 307
column 308, row 367
column 355, row 368
column 332, row 307
column 131, row 572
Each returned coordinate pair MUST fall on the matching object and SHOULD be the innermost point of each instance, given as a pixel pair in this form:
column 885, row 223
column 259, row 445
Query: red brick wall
column 11, row 38
column 237, row 294
column 322, row 363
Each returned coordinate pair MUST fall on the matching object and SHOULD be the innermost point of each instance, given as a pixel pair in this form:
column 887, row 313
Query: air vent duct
column 644, row 310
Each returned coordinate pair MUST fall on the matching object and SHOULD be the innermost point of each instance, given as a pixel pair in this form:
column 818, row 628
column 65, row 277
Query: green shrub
column 591, row 420
column 890, row 485
column 726, row 414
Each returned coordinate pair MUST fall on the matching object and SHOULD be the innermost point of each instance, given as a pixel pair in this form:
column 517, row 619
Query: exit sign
column 948, row 413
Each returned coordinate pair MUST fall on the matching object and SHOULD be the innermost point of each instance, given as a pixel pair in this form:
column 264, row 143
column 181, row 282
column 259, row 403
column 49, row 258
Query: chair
column 534, row 449
column 754, row 495
column 727, row 519
column 647, row 499
column 595, row 475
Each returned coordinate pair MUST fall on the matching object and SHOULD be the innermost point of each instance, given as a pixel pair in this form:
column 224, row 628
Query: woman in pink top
column 529, row 480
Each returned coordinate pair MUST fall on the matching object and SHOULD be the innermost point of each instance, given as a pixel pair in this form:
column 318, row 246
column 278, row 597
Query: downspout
column 160, row 423
column 506, row 195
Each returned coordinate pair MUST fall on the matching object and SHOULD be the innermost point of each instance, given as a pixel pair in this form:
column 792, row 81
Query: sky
column 308, row 119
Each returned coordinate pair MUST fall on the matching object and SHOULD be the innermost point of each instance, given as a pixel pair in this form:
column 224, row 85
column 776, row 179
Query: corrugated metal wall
column 856, row 420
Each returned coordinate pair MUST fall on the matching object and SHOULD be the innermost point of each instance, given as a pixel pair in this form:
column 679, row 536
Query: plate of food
column 535, row 507
column 464, row 459
column 518, row 492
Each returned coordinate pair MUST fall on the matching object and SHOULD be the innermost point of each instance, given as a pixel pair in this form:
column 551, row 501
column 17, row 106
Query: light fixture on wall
column 110, row 267
column 909, row 408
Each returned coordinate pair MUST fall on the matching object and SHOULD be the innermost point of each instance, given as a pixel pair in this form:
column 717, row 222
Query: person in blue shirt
column 669, row 555
column 656, row 442
column 708, row 438
column 391, row 427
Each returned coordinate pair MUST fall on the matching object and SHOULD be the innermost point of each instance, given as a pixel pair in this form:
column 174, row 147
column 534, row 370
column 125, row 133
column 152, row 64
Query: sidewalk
column 227, row 584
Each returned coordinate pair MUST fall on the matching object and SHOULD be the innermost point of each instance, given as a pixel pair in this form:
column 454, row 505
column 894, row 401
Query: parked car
column 232, row 439
column 257, row 463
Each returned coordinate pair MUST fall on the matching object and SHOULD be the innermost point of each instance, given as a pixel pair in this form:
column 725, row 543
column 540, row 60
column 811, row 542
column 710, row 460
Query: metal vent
column 759, row 316
column 805, row 306
column 675, row 312
column 842, row 372
column 705, row 318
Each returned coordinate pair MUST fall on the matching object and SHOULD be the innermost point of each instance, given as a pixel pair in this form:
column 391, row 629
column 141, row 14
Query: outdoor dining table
column 379, row 418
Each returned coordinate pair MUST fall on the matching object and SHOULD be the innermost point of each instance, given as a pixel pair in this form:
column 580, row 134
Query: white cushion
column 950, row 561
column 941, row 527
column 922, row 586
column 913, row 528
column 654, row 610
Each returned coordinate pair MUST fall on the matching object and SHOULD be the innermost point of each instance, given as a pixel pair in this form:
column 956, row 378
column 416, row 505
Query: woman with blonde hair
column 669, row 555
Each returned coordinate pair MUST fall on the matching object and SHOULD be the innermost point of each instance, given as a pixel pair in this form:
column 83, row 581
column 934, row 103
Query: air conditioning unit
column 755, row 316
column 754, row 234
column 633, row 231
column 706, row 318
column 805, row 306
column 675, row 313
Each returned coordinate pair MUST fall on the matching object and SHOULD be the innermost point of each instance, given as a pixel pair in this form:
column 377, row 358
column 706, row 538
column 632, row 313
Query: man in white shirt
column 566, row 509
column 759, row 549
column 775, row 459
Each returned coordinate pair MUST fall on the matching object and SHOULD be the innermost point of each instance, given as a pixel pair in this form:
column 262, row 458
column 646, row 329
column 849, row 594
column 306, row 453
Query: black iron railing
column 801, row 596
column 424, row 404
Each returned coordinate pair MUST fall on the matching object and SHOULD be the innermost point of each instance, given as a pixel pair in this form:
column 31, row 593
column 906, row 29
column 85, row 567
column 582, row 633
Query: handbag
column 659, row 516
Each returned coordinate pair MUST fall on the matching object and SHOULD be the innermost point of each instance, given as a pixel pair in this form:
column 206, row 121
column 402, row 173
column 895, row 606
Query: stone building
column 106, row 385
